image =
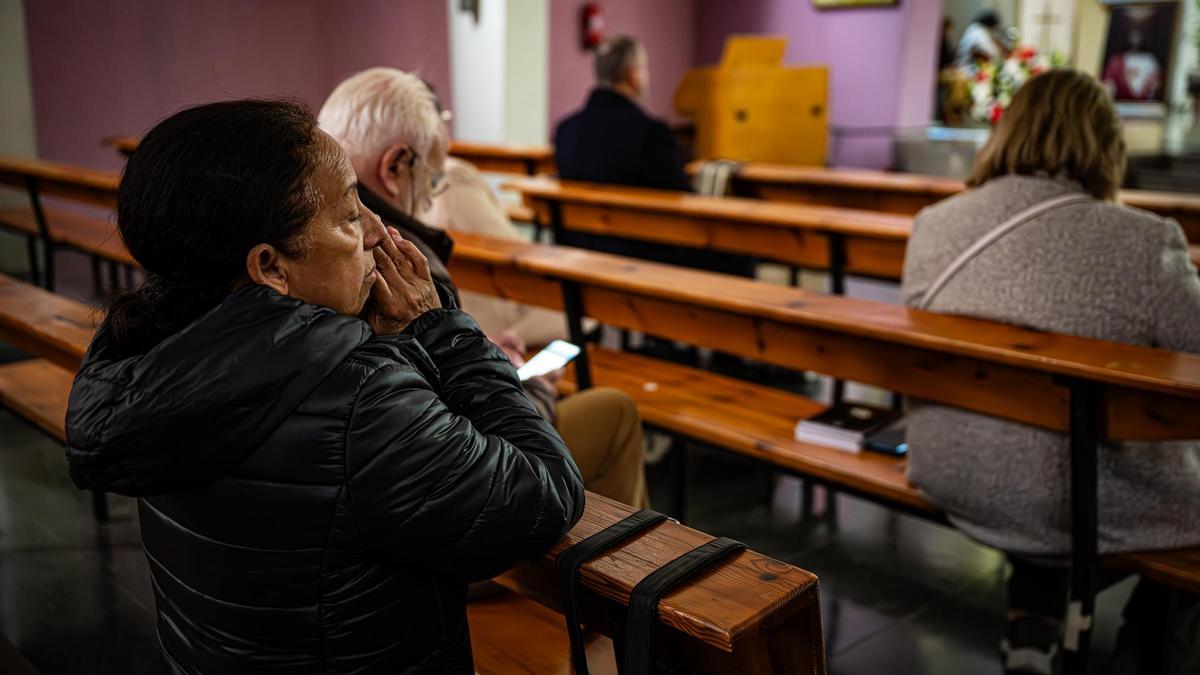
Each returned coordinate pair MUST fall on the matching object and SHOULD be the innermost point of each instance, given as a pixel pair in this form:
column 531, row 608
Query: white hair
column 379, row 107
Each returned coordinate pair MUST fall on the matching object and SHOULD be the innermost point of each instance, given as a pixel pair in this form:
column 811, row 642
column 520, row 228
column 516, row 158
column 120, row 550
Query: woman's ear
column 394, row 162
column 266, row 267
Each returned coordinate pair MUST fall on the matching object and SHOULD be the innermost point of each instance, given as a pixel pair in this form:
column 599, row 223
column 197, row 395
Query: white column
column 17, row 132
column 527, row 72
column 499, row 71
column 477, row 58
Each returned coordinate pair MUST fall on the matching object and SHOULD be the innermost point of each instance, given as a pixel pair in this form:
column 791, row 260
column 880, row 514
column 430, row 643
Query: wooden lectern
column 752, row 108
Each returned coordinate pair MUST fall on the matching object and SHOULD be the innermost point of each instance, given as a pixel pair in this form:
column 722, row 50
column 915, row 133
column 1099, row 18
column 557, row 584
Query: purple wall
column 881, row 61
column 101, row 69
column 667, row 27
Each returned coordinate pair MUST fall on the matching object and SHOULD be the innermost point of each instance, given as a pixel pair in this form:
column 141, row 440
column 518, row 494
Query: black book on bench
column 845, row 426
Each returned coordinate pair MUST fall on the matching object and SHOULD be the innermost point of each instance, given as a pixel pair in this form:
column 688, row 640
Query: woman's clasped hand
column 403, row 288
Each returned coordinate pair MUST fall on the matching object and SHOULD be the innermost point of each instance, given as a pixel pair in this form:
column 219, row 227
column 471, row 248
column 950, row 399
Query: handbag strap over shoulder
column 994, row 235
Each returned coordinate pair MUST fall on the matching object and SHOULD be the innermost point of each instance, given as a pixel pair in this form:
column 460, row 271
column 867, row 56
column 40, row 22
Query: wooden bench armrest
column 730, row 607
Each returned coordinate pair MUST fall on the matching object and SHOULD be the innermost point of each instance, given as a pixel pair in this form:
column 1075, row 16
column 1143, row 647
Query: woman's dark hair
column 204, row 187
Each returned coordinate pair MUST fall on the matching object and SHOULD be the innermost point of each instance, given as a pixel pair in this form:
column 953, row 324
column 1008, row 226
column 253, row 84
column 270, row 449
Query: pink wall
column 667, row 27
column 116, row 67
column 881, row 62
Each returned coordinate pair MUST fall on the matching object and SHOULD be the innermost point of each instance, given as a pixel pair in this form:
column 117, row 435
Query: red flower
column 1026, row 53
column 995, row 113
column 1036, row 70
column 982, row 76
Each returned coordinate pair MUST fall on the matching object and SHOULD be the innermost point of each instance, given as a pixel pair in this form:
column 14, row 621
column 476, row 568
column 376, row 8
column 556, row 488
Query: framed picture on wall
column 1137, row 54
column 841, row 4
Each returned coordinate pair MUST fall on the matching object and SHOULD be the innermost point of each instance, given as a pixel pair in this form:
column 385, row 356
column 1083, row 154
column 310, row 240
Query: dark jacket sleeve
column 661, row 164
column 456, row 472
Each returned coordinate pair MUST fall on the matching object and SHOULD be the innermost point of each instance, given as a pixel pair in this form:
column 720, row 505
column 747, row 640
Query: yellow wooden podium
column 752, row 108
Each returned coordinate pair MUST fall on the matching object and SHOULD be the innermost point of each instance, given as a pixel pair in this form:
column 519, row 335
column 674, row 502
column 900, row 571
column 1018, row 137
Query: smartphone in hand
column 556, row 355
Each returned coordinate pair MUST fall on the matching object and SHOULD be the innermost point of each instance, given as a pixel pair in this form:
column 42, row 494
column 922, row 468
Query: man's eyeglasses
column 437, row 184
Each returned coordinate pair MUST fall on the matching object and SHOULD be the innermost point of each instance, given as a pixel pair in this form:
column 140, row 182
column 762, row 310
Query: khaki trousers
column 603, row 430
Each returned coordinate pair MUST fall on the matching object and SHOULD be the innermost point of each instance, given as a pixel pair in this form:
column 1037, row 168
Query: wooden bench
column 843, row 241
column 529, row 160
column 61, row 227
column 1087, row 388
column 907, row 193
column 750, row 615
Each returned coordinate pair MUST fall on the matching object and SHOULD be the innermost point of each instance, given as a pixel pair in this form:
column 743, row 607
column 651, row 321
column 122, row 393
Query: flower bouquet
column 992, row 85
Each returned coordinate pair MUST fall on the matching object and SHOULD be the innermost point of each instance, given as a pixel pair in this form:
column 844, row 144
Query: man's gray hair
column 614, row 57
column 379, row 106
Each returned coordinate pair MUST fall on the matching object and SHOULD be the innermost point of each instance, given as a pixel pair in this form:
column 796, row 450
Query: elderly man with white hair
column 390, row 125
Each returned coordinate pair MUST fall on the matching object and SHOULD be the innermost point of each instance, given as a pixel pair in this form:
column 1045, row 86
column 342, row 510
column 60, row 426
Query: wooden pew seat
column 18, row 220
column 514, row 635
column 37, row 391
column 49, row 325
column 749, row 419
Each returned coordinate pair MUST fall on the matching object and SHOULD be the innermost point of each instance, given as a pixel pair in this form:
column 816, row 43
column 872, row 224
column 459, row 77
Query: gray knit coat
column 1095, row 269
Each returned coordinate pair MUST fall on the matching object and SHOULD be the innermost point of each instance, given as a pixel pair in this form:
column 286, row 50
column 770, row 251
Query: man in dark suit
column 612, row 140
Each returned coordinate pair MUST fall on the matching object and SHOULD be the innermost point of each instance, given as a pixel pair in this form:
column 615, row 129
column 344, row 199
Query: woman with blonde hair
column 1041, row 241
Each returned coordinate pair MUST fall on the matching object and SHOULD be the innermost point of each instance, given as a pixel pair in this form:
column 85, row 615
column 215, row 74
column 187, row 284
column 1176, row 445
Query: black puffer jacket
column 314, row 498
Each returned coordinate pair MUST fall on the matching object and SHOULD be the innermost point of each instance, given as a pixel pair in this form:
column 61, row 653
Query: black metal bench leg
column 679, row 478
column 114, row 279
column 100, row 506
column 97, row 280
column 48, row 266
column 1085, row 440
column 35, row 268
column 128, row 277
column 573, row 308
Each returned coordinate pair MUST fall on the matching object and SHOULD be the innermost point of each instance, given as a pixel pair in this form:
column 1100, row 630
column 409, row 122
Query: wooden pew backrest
column 907, row 193
column 997, row 369
column 495, row 157
column 60, row 180
column 873, row 242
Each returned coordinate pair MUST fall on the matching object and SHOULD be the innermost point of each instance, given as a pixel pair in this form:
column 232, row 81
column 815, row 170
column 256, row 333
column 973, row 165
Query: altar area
column 1157, row 93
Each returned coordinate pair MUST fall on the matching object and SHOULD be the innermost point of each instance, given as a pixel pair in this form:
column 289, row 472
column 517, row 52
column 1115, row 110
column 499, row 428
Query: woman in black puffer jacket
column 326, row 453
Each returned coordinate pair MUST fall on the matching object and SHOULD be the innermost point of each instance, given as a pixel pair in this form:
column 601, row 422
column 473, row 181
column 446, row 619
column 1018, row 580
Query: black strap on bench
column 570, row 560
column 643, row 602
